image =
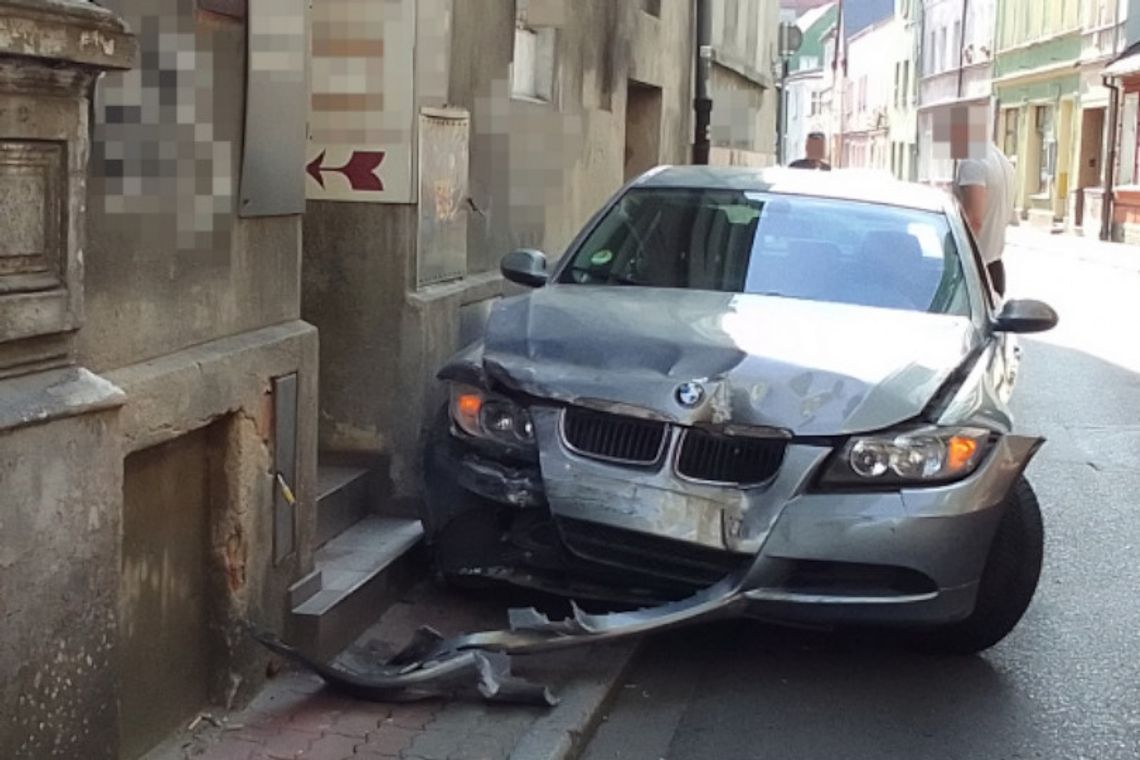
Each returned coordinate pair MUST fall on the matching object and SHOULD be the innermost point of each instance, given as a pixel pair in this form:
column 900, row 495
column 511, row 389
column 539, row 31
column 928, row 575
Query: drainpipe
column 962, row 47
column 702, row 103
column 782, row 112
column 836, row 67
column 961, row 68
column 1107, row 204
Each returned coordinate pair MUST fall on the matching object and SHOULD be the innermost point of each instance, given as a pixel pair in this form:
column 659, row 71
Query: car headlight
column 484, row 415
column 917, row 457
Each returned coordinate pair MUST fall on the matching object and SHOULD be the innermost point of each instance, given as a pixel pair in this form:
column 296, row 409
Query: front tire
column 1008, row 582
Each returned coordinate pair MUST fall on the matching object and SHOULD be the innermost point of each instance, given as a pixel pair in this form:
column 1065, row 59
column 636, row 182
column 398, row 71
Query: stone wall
column 190, row 314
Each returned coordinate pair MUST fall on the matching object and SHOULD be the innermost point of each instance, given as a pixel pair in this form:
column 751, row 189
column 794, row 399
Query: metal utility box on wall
column 443, row 150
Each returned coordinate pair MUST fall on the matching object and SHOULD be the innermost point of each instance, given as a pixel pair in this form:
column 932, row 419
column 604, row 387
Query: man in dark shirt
column 815, row 149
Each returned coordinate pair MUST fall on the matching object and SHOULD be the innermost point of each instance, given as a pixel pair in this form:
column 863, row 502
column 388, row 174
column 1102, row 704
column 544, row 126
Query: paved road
column 1064, row 685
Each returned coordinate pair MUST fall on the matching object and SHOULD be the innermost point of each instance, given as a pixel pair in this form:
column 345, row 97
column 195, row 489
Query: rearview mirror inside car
column 525, row 267
column 1024, row 316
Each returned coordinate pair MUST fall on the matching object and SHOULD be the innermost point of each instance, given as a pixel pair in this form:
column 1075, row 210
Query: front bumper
column 905, row 557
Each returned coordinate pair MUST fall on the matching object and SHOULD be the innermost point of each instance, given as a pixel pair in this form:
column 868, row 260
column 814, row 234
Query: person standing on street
column 815, row 150
column 984, row 184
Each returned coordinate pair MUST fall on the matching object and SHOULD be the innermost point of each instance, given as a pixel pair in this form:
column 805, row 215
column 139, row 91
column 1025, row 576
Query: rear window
column 778, row 245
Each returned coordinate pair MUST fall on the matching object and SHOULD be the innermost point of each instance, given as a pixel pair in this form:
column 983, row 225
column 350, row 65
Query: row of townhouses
column 238, row 239
column 877, row 76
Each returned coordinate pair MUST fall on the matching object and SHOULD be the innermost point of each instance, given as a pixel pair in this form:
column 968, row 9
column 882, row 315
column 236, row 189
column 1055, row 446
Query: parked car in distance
column 796, row 380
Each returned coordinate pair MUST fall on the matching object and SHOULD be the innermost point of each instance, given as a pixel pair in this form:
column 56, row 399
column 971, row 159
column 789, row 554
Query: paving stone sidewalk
column 296, row 718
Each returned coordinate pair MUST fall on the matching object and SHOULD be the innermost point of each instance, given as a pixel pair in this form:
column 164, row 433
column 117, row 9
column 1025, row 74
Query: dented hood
column 807, row 367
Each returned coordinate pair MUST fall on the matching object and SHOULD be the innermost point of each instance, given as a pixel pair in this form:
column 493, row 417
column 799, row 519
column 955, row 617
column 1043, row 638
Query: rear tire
column 1008, row 583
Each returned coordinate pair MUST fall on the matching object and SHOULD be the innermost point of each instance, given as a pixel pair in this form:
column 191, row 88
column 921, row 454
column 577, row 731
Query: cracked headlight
column 917, row 457
column 484, row 415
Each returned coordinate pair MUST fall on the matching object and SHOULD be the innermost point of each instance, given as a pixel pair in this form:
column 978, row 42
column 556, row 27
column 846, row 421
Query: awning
column 1125, row 64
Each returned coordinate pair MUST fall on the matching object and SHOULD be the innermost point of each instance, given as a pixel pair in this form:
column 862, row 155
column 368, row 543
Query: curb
column 562, row 734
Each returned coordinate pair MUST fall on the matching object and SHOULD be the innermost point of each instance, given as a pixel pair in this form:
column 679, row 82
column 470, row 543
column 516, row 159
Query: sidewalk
column 296, row 718
column 1035, row 240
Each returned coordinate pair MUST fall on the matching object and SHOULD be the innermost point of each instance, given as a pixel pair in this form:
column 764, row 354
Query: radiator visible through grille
column 729, row 459
column 618, row 439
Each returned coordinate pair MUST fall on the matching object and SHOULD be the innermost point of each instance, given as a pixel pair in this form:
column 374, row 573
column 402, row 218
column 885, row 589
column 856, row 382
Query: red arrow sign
column 360, row 171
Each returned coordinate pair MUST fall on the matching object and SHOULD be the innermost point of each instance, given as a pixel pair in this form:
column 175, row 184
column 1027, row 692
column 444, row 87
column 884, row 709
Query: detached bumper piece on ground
column 479, row 663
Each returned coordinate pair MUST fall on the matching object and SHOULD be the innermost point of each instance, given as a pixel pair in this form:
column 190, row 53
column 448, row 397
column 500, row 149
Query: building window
column 532, row 64
column 898, row 83
column 1130, row 113
column 816, row 103
column 1009, row 138
column 1046, row 135
column 906, row 84
column 956, row 44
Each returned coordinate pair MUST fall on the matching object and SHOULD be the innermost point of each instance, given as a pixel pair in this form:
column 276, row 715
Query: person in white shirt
column 985, row 185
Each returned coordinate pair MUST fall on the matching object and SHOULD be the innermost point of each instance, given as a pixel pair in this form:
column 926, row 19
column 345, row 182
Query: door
column 1090, row 169
column 642, row 128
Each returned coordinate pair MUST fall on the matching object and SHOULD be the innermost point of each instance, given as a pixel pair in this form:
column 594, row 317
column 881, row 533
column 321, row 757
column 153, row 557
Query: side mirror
column 525, row 267
column 1026, row 317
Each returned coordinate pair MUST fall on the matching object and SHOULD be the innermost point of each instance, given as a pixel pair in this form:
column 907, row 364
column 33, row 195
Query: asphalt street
column 1064, row 685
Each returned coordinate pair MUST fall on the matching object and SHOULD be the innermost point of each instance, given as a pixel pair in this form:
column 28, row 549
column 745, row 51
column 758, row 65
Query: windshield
column 790, row 246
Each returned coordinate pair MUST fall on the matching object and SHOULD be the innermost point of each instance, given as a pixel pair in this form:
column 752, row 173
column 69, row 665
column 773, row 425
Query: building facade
column 868, row 96
column 1102, row 39
column 742, row 81
column 956, row 67
column 1037, row 81
column 158, row 388
column 1120, row 221
column 805, row 83
column 903, row 111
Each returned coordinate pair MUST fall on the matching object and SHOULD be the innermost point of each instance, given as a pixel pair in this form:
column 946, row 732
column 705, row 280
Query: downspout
column 962, row 47
column 961, row 69
column 782, row 113
column 702, row 103
column 837, row 159
column 919, row 75
column 1106, row 206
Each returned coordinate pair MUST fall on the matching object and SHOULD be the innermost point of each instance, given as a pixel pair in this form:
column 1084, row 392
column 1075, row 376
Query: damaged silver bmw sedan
column 790, row 387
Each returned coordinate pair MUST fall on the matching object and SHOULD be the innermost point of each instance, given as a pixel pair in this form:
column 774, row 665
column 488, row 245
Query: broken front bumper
column 946, row 530
column 911, row 556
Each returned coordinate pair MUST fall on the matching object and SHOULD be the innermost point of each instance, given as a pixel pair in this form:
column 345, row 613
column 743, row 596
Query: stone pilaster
column 60, row 469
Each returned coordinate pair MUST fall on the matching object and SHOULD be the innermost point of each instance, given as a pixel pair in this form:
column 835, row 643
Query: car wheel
column 1008, row 583
column 463, row 529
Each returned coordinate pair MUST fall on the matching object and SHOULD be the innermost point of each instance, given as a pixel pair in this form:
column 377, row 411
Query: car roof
column 841, row 184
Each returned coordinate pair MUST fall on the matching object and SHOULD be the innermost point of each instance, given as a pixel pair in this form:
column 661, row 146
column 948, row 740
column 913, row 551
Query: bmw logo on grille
column 690, row 394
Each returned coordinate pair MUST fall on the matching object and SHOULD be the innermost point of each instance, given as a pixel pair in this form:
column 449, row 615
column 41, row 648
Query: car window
column 780, row 245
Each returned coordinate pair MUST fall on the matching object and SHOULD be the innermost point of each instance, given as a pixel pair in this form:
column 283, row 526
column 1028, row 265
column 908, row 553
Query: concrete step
column 343, row 495
column 358, row 574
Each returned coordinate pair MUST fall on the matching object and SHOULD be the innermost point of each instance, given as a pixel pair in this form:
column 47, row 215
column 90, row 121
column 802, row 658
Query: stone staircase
column 365, row 559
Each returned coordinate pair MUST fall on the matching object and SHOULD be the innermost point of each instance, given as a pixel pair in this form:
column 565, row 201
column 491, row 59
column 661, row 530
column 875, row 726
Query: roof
column 809, row 18
column 841, row 184
column 860, row 14
column 1125, row 64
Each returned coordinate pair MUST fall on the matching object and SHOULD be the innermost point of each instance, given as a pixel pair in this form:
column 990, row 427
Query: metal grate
column 729, row 459
column 616, row 439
